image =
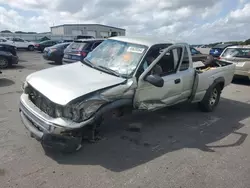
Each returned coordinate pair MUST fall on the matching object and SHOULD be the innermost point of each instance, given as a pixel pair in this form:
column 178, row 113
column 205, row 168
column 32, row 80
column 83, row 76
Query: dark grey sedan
column 55, row 53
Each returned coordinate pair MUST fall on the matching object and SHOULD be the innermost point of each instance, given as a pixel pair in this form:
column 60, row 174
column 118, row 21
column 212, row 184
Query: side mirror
column 155, row 80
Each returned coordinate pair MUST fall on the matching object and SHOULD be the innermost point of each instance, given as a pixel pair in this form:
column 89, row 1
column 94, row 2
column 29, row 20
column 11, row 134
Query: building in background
column 95, row 30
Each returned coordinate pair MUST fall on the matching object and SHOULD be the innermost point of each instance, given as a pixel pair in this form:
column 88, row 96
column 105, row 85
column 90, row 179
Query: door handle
column 177, row 81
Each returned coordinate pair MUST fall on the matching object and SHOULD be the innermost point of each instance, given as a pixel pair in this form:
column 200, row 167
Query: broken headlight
column 82, row 111
column 59, row 111
column 90, row 107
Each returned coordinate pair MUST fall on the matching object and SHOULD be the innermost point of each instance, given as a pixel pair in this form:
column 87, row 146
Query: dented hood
column 64, row 83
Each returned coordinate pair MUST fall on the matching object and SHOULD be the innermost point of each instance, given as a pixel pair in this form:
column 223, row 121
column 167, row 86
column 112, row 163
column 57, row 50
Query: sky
column 192, row 21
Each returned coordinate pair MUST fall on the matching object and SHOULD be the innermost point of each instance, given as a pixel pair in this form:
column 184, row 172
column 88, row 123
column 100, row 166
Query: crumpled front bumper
column 49, row 131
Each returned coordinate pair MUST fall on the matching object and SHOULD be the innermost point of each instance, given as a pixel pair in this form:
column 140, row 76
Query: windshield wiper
column 87, row 62
column 110, row 71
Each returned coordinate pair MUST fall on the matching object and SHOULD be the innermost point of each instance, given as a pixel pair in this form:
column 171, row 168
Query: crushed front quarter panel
column 126, row 90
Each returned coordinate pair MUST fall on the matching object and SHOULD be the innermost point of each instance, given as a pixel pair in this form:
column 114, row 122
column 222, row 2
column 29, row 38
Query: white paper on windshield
column 135, row 50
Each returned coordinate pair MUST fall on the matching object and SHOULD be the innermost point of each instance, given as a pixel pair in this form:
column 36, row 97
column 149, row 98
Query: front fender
column 111, row 106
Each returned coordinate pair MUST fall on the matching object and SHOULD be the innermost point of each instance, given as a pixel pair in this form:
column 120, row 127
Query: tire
column 31, row 48
column 58, row 62
column 211, row 99
column 4, row 63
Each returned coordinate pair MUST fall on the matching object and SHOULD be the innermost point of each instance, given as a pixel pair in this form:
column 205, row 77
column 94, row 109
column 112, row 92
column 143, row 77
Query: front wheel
column 211, row 99
column 4, row 63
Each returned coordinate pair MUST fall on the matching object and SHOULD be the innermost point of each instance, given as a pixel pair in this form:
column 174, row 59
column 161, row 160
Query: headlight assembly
column 76, row 115
column 59, row 111
column 67, row 112
column 92, row 106
column 82, row 111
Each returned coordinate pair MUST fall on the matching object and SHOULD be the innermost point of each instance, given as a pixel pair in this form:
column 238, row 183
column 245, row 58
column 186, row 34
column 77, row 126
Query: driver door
column 150, row 97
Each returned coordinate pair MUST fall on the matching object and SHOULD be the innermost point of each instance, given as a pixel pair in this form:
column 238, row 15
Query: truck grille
column 43, row 103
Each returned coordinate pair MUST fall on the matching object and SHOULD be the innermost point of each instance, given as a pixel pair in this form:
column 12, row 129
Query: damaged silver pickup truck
column 59, row 104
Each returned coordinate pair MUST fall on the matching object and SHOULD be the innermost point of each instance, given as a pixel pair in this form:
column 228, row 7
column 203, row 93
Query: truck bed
column 207, row 74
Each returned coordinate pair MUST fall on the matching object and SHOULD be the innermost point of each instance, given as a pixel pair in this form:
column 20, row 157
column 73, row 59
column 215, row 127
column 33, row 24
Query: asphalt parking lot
column 178, row 148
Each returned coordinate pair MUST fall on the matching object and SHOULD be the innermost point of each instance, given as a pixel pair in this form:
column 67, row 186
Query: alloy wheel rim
column 3, row 62
column 213, row 97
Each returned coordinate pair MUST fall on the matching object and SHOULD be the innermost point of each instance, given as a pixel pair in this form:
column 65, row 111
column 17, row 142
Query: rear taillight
column 219, row 57
column 36, row 44
column 84, row 54
column 81, row 53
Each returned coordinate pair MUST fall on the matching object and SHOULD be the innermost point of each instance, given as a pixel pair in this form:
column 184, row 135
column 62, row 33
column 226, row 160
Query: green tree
column 247, row 42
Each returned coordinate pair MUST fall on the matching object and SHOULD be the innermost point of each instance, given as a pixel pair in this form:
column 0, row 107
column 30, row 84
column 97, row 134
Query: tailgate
column 206, row 78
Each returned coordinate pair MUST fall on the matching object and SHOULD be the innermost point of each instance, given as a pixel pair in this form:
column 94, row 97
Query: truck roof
column 143, row 40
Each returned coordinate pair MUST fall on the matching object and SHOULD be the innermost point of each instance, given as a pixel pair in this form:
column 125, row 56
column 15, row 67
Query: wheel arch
column 219, row 81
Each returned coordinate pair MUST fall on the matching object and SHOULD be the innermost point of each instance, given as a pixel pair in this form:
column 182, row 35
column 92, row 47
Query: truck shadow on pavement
column 162, row 132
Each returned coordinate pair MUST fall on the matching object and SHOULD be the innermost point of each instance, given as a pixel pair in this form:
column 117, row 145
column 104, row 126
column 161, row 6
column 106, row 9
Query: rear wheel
column 211, row 99
column 4, row 63
column 31, row 48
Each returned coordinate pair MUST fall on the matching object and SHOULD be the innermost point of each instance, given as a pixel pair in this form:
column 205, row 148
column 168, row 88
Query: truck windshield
column 117, row 56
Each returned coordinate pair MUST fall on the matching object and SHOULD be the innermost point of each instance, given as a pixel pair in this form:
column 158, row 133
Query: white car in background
column 6, row 41
column 22, row 44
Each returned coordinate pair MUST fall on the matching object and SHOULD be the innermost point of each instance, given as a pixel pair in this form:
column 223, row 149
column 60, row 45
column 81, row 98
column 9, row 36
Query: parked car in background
column 204, row 46
column 84, row 37
column 194, row 51
column 65, row 40
column 55, row 53
column 239, row 55
column 8, row 55
column 218, row 49
column 42, row 45
column 22, row 44
column 6, row 41
column 197, row 55
column 79, row 49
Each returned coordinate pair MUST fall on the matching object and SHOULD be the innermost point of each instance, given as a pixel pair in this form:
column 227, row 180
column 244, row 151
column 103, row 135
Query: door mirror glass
column 155, row 80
